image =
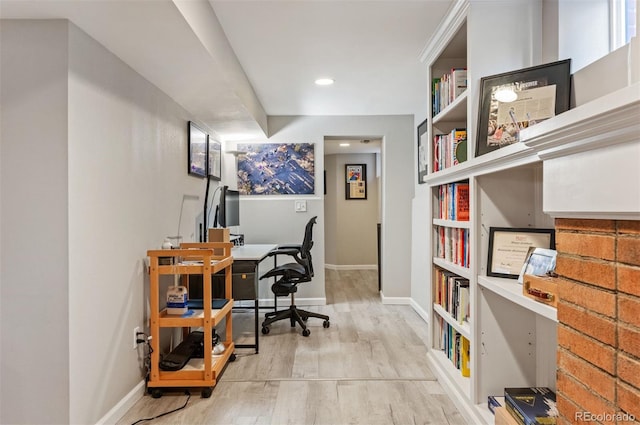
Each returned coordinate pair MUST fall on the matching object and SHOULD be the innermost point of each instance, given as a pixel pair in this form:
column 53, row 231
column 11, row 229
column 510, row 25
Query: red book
column 462, row 201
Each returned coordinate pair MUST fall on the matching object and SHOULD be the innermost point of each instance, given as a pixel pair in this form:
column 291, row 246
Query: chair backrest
column 307, row 244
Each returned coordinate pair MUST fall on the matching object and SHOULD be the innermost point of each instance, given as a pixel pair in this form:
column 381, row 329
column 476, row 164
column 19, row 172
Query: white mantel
column 591, row 158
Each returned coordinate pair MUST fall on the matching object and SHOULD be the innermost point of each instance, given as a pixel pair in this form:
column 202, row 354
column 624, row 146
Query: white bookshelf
column 463, row 328
column 452, row 267
column 511, row 290
column 506, row 330
column 451, row 223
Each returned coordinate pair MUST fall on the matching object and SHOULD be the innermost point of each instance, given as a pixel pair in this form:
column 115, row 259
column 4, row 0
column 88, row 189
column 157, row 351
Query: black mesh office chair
column 288, row 276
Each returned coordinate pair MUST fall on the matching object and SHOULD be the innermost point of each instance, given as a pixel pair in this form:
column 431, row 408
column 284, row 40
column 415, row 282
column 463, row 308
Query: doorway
column 352, row 211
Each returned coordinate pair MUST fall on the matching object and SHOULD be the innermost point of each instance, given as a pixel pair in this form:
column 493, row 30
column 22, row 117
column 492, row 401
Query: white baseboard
column 395, row 300
column 459, row 399
column 351, row 267
column 118, row 411
column 421, row 311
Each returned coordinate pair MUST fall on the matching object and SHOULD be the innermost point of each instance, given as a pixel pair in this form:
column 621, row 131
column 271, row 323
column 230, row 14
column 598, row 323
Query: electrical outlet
column 135, row 337
column 300, row 206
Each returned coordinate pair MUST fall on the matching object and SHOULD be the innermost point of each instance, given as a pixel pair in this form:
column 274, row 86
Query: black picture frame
column 499, row 126
column 355, row 181
column 423, row 147
column 214, row 159
column 509, row 247
column 197, row 151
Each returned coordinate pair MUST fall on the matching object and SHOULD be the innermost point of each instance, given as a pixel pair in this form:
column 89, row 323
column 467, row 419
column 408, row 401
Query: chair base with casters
column 295, row 315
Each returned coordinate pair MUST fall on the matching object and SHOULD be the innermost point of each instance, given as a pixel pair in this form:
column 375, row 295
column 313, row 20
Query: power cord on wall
column 142, row 338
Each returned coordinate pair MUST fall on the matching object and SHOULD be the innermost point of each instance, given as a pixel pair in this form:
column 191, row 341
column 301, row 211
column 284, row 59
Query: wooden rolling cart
column 203, row 259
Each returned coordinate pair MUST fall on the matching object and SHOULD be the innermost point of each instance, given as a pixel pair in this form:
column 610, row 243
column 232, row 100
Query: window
column 623, row 22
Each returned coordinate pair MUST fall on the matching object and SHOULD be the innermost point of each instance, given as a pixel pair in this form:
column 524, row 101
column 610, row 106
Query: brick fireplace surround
column 598, row 378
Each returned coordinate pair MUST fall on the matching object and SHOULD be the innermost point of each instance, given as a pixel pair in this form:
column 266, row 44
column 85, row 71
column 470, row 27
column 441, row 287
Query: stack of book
column 525, row 406
column 455, row 346
column 449, row 149
column 447, row 88
column 453, row 201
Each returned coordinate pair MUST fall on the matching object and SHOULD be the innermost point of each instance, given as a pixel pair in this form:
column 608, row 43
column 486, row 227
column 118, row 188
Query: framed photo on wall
column 423, row 145
column 356, row 181
column 197, row 151
column 512, row 101
column 214, row 159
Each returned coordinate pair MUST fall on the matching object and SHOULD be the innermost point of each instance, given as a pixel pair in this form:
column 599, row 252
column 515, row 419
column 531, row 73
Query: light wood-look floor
column 369, row 367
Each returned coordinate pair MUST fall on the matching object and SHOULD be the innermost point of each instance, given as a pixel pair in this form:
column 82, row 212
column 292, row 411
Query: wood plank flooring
column 369, row 367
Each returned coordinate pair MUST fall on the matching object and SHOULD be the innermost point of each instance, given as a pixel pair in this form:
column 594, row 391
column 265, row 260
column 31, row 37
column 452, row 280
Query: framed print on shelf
column 539, row 262
column 356, row 181
column 423, row 144
column 214, row 159
column 512, row 101
column 509, row 247
column 197, row 151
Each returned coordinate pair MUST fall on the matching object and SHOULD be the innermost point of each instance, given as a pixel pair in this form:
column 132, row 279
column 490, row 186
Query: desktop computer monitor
column 228, row 210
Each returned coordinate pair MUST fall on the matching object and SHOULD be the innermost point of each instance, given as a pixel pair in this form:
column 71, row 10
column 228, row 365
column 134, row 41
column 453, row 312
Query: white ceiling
column 259, row 58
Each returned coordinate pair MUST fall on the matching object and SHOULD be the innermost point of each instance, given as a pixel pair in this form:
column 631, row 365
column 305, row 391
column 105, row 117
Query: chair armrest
column 290, row 246
column 282, row 251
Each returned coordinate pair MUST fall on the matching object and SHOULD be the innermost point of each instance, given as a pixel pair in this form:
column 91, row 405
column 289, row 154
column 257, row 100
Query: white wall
column 122, row 169
column 576, row 29
column 331, row 210
column 34, row 239
column 275, row 221
column 353, row 232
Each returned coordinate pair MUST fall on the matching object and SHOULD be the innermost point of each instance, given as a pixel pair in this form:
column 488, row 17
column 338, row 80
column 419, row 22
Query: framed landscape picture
column 214, row 159
column 276, row 168
column 197, row 151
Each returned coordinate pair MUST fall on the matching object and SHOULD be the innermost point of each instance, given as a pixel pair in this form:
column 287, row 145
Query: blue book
column 494, row 401
column 531, row 405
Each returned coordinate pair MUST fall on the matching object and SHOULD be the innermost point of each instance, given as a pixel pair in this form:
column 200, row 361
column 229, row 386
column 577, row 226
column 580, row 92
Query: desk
column 251, row 255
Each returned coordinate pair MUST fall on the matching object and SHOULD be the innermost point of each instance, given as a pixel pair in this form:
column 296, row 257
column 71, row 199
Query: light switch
column 300, row 206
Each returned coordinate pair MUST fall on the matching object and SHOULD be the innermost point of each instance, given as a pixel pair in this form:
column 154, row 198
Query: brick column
column 598, row 378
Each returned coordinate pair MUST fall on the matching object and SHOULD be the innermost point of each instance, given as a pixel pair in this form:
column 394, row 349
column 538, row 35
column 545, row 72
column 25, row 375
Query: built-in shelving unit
column 512, row 338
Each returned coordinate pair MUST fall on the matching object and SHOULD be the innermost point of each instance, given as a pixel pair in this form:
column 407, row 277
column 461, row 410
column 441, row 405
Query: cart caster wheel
column 156, row 392
column 326, row 324
column 232, row 357
column 265, row 330
column 306, row 332
column 206, row 392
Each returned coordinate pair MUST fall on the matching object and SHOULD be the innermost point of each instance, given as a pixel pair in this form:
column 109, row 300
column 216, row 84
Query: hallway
column 369, row 367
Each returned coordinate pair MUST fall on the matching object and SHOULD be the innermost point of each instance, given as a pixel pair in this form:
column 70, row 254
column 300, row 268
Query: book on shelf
column 445, row 89
column 452, row 245
column 455, row 346
column 458, row 82
column 435, row 96
column 453, row 201
column 461, row 194
column 531, row 405
column 494, row 401
column 452, row 294
column 465, row 349
column 449, row 149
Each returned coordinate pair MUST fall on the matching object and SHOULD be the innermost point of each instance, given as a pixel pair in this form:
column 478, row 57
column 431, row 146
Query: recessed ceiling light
column 324, row 81
column 345, row 144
